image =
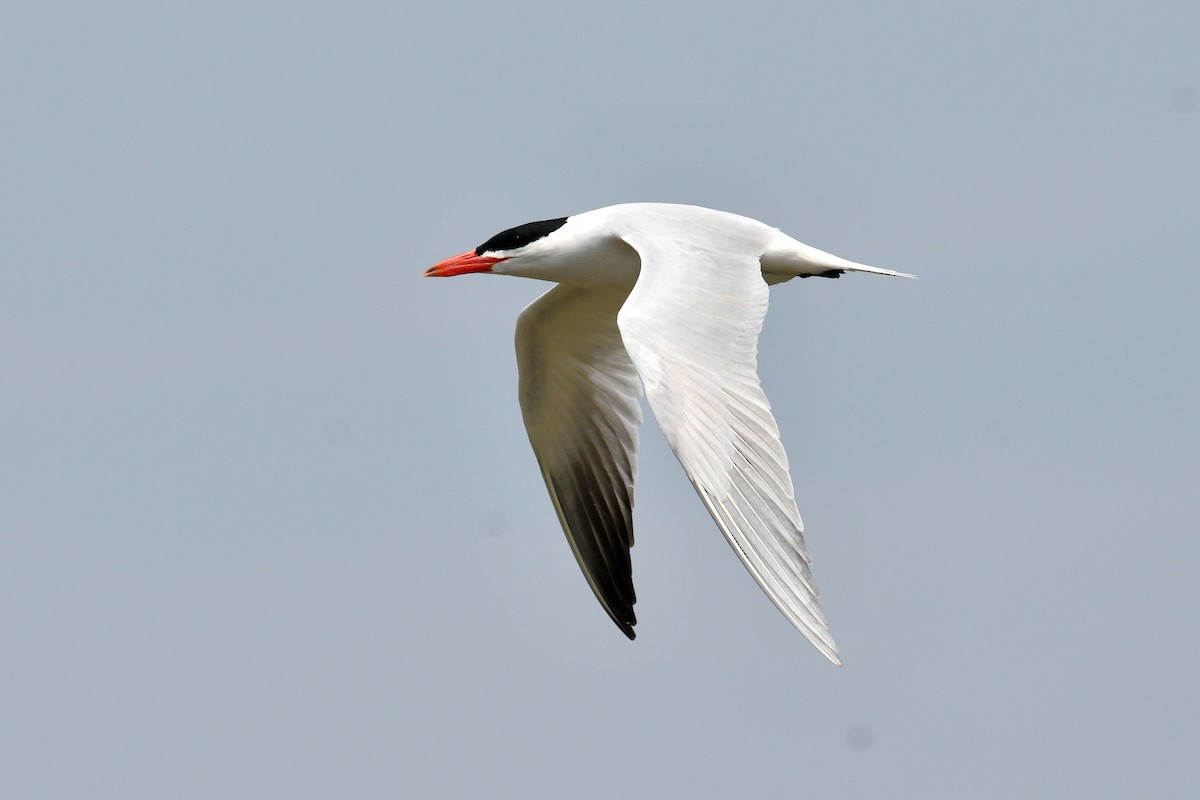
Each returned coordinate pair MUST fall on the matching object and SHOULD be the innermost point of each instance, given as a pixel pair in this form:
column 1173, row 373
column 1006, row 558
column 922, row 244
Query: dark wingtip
column 626, row 624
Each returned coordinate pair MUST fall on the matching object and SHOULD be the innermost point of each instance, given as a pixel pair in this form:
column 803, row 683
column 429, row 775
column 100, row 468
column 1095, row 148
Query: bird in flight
column 670, row 298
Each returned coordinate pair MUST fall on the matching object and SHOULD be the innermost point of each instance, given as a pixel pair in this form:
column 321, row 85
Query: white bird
column 672, row 298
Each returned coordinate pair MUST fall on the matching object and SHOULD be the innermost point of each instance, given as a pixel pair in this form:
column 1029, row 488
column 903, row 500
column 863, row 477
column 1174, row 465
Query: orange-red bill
column 461, row 264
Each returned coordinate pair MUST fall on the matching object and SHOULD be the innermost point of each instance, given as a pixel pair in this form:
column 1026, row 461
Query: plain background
column 269, row 524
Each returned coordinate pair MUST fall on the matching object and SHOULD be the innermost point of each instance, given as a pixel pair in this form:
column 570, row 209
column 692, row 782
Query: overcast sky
column 269, row 523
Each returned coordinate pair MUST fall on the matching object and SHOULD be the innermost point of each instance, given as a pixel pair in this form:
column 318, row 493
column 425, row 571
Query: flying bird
column 670, row 298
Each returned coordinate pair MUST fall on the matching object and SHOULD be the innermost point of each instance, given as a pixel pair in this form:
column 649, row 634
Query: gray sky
column 269, row 524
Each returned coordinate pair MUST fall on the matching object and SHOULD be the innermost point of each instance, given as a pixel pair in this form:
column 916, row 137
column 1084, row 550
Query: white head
column 571, row 250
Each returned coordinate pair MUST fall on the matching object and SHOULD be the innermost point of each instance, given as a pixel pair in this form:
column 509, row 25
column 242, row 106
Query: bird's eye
column 518, row 237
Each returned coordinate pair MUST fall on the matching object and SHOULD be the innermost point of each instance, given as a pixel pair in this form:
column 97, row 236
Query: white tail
column 787, row 258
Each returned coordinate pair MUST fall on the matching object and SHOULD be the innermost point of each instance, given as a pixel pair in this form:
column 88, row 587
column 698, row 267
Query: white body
column 593, row 249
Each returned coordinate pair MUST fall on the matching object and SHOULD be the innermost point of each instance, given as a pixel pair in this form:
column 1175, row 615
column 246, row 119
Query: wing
column 579, row 397
column 691, row 327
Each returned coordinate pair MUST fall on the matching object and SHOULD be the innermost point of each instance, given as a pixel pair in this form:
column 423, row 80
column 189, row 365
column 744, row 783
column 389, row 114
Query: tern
column 670, row 298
